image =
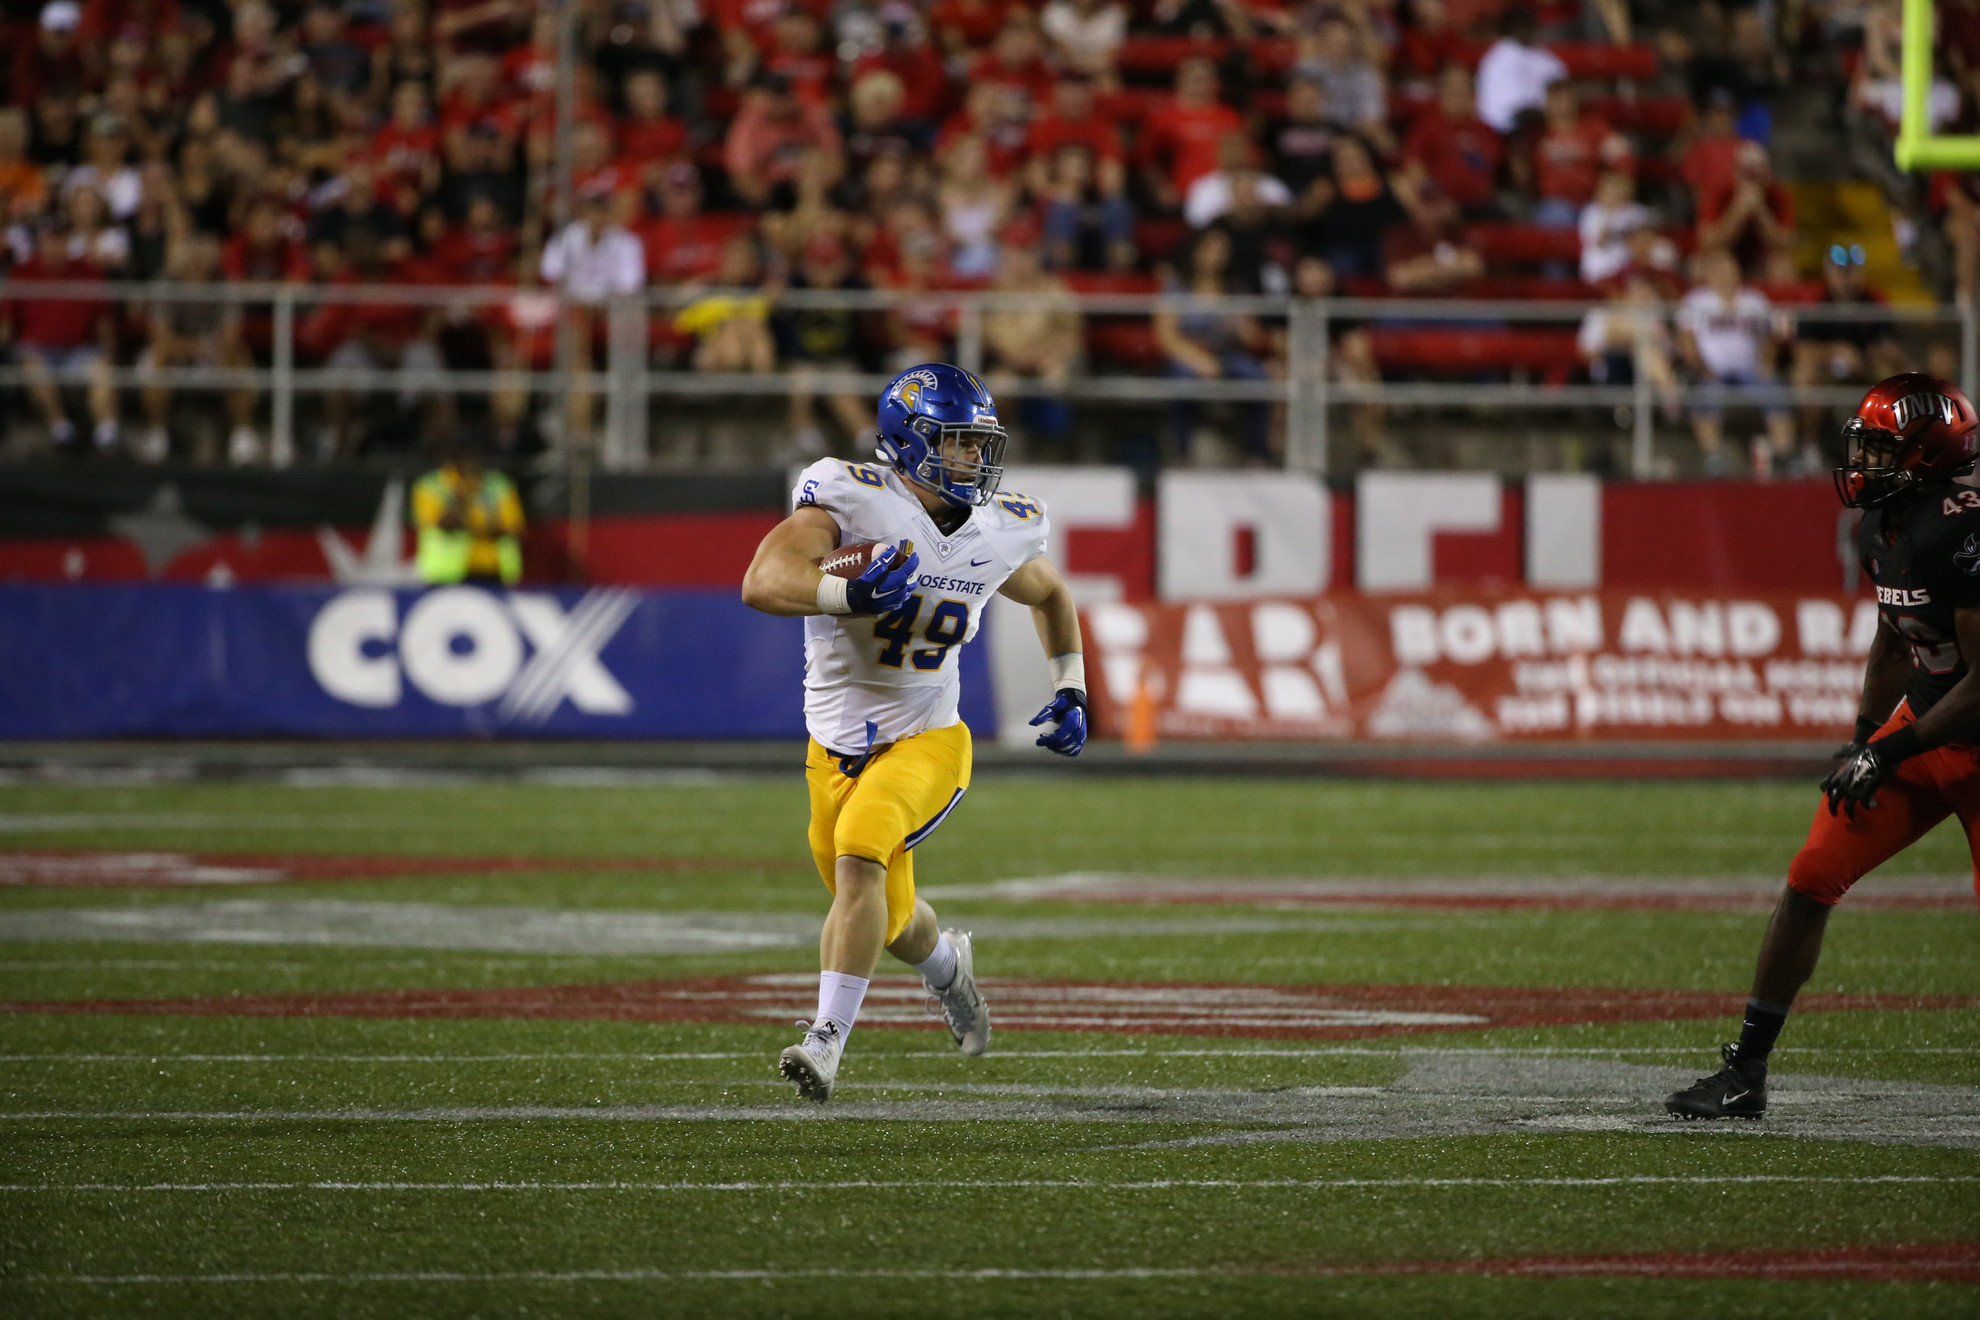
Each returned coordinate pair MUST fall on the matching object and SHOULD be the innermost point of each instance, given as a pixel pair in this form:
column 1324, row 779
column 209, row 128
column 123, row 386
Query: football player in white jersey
column 889, row 756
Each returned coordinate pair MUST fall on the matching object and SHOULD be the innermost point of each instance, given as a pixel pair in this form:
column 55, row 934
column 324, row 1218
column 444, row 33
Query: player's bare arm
column 1053, row 613
column 1040, row 585
column 1884, row 675
column 783, row 578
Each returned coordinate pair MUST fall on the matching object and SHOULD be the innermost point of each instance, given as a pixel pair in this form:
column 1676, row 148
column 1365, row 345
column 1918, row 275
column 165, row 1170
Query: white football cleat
column 961, row 1004
column 813, row 1063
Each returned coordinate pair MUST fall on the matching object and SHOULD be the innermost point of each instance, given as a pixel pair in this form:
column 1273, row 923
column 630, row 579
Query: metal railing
column 1307, row 388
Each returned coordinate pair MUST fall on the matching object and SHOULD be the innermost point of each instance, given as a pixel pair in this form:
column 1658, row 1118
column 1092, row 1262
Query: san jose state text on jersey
column 898, row 671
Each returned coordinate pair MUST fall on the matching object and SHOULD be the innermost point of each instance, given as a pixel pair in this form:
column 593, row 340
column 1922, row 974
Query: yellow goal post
column 1918, row 148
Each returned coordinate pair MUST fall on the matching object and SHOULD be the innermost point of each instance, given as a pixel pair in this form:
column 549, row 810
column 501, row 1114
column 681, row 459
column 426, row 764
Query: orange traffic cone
column 1140, row 736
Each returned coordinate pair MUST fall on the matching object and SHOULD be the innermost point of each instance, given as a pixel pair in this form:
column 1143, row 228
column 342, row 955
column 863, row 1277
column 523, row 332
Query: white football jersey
column 901, row 671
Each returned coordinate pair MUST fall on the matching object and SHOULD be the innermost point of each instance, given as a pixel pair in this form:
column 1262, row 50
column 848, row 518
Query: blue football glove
column 881, row 589
column 1067, row 715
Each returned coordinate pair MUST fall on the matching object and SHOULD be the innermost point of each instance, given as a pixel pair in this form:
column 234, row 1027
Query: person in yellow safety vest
column 470, row 521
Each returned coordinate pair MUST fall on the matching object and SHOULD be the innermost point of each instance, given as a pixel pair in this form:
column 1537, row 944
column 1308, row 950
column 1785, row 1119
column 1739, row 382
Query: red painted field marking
column 1336, row 1012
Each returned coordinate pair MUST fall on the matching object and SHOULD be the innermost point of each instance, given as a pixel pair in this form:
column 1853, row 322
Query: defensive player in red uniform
column 1915, row 757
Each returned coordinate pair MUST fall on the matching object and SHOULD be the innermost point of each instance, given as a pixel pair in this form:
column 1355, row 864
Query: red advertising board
column 1480, row 666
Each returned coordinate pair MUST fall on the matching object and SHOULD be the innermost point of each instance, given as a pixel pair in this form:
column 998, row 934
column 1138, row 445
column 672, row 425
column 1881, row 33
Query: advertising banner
column 1480, row 666
column 165, row 660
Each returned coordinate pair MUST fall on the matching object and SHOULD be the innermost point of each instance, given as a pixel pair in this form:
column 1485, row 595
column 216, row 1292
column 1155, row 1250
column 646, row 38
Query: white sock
column 839, row 996
column 940, row 968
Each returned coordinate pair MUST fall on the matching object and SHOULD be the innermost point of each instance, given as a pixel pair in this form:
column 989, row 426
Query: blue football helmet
column 938, row 426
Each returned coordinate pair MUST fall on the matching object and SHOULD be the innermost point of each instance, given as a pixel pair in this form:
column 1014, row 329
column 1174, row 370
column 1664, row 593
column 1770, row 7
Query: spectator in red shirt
column 49, row 335
column 478, row 101
column 266, row 248
column 1457, row 149
column 683, row 246
column 649, row 137
column 770, row 135
column 1574, row 151
column 1711, row 162
column 963, row 26
column 408, row 147
column 1428, row 43
column 1179, row 140
column 481, row 249
column 1016, row 58
column 797, row 52
column 1000, row 115
column 1073, row 120
column 53, row 60
column 910, row 56
column 1753, row 216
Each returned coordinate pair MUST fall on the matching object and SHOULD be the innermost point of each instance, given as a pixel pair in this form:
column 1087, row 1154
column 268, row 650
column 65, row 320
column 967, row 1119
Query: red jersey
column 920, row 70
column 1462, row 156
column 1095, row 133
column 976, row 21
column 810, row 72
column 1566, row 165
column 465, row 257
column 681, row 250
column 1711, row 164
column 1004, row 144
column 644, row 141
column 757, row 16
column 406, row 153
column 1187, row 137
column 1033, row 77
column 54, row 322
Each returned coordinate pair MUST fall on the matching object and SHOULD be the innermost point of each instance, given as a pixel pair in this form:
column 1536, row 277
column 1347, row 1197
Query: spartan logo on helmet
column 909, row 387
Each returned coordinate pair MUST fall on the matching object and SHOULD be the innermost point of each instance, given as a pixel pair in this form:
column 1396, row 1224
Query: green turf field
column 349, row 1077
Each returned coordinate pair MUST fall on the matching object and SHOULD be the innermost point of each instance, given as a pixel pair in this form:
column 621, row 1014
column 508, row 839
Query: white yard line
column 971, row 1184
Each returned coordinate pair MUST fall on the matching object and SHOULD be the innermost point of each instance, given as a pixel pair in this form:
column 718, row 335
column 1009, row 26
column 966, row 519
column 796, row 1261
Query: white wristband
column 832, row 595
column 1068, row 671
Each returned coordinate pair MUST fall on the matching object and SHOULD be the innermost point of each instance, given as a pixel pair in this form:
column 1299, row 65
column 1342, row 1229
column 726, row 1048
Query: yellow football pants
column 897, row 801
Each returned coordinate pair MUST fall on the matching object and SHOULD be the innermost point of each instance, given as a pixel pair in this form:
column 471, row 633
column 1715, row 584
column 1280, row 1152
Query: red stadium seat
column 1506, row 244
column 1650, row 116
column 1590, row 59
column 1158, row 237
column 1111, row 281
column 1466, row 350
column 1123, row 343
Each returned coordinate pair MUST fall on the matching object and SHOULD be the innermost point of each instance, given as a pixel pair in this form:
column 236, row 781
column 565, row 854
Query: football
column 849, row 561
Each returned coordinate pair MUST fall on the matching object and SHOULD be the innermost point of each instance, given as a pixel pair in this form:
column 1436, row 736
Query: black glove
column 1854, row 783
column 885, row 585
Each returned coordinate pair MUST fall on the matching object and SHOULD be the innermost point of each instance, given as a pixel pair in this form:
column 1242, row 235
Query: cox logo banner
column 165, row 660
column 463, row 646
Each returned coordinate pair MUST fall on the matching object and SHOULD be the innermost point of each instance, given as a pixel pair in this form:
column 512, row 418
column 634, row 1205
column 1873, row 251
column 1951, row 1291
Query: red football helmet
column 1908, row 431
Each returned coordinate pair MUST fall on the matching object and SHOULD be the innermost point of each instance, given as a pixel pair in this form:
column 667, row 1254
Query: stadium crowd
column 1455, row 148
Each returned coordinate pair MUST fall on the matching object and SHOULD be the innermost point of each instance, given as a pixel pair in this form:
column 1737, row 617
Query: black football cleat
column 1738, row 1090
